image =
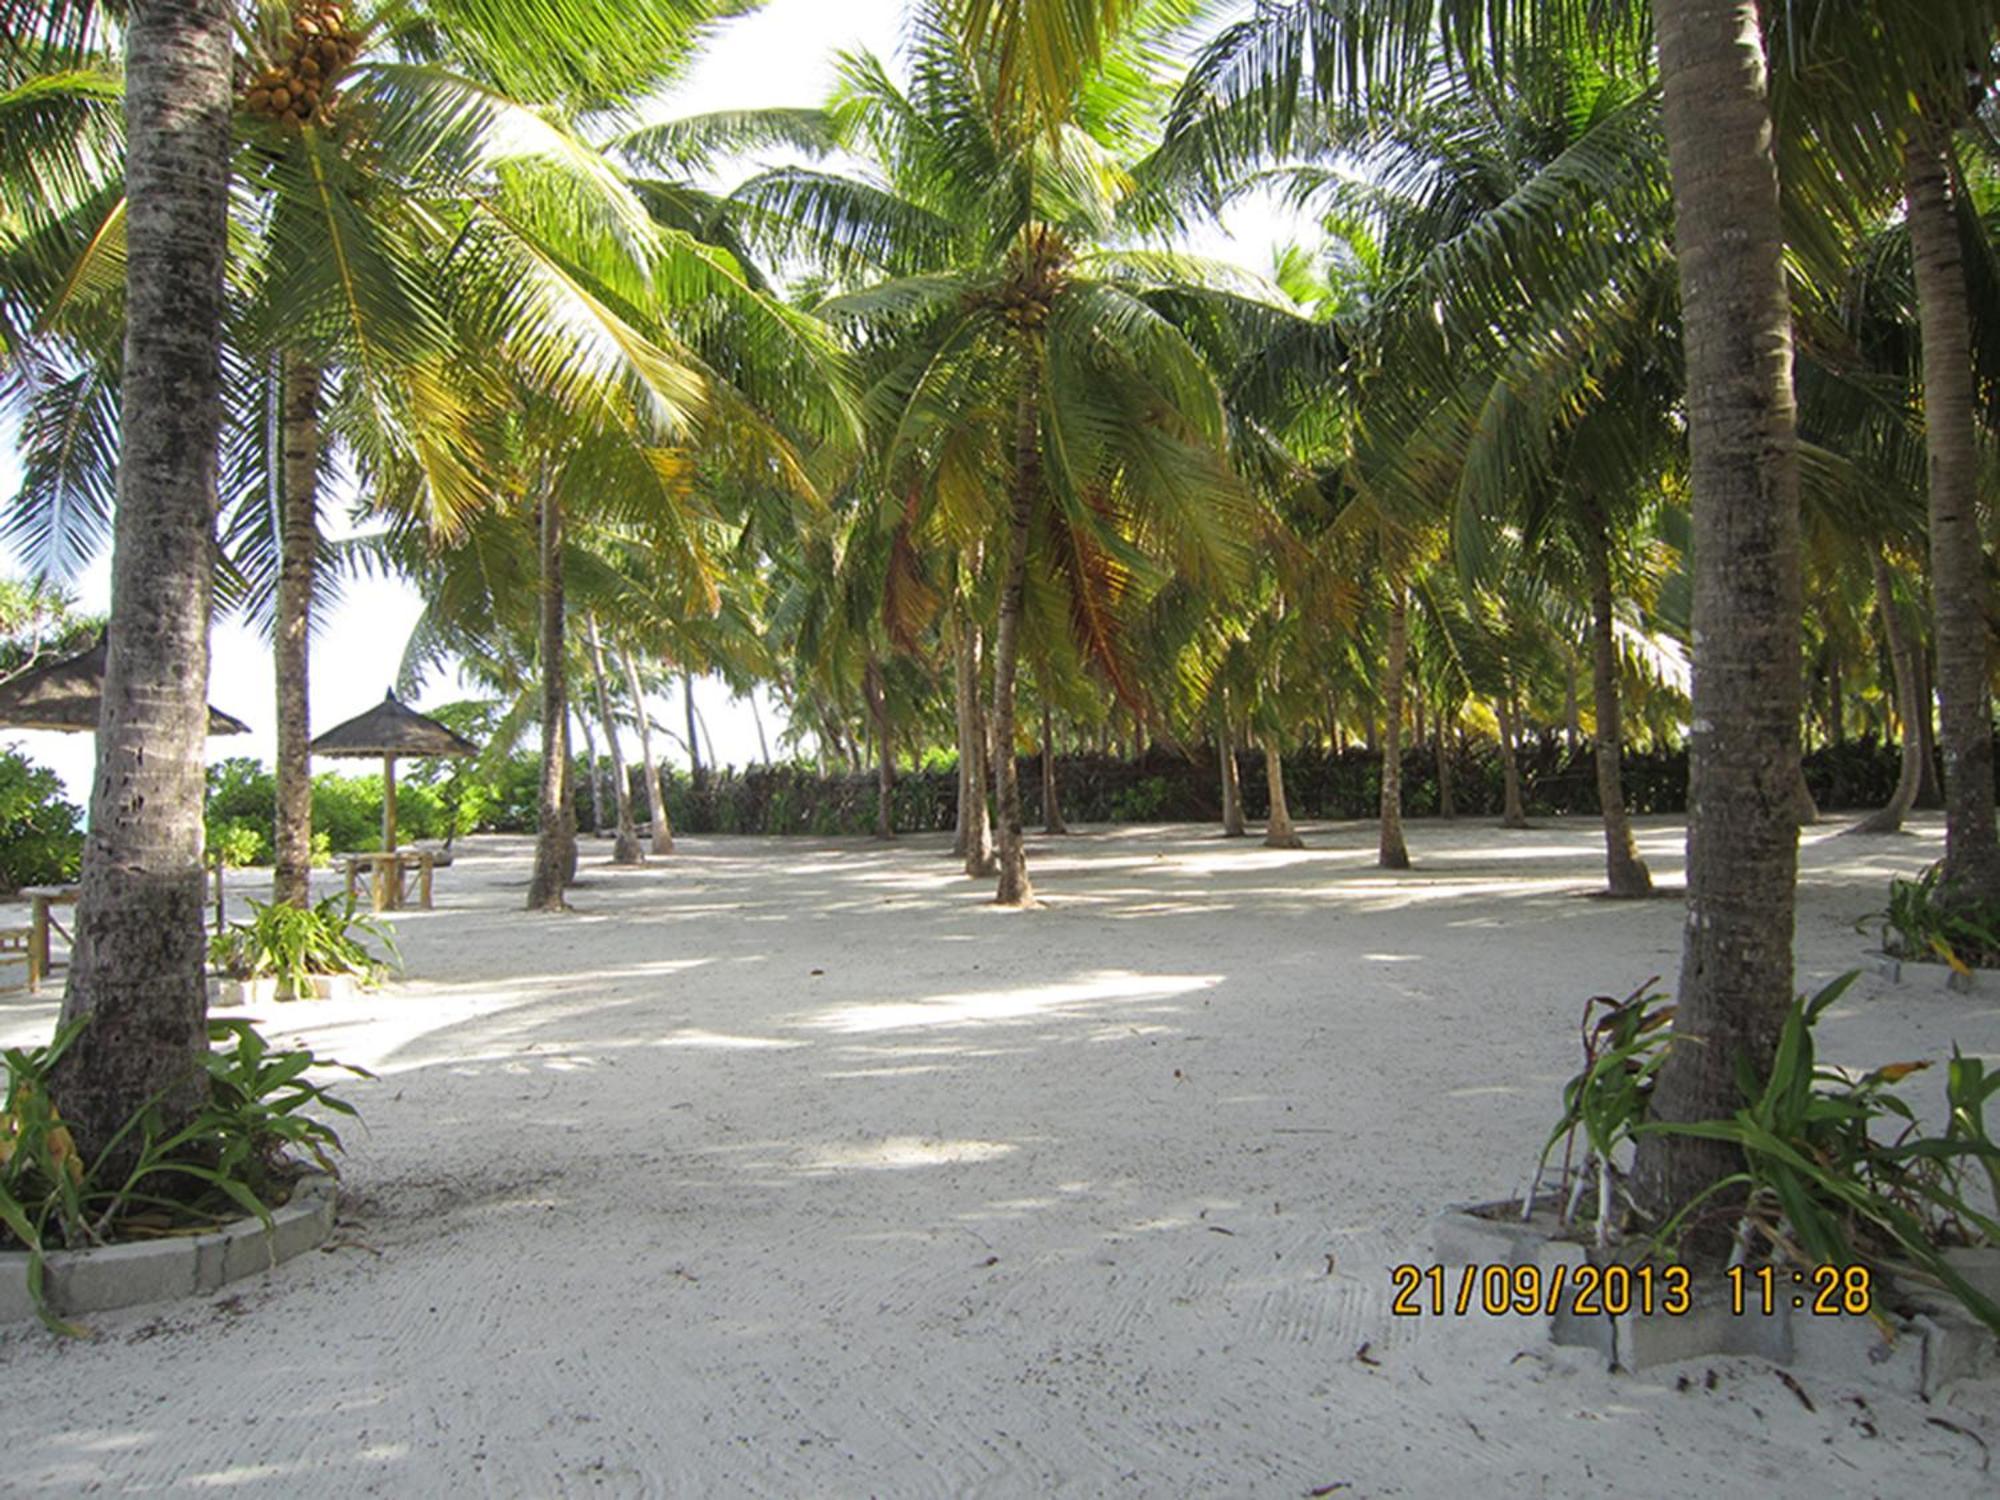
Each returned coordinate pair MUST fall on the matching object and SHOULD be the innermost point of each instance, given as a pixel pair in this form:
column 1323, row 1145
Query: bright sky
column 781, row 55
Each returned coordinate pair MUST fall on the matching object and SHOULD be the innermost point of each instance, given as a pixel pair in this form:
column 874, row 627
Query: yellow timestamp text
column 1584, row 1291
column 1821, row 1291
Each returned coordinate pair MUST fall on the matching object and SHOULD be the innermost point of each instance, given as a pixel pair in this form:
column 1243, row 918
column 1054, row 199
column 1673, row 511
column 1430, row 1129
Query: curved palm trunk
column 1052, row 818
column 1958, row 561
column 136, row 972
column 695, row 772
column 1279, row 831
column 1626, row 874
column 1903, row 667
column 1393, row 853
column 1233, row 826
column 555, row 844
column 1447, row 768
column 298, row 548
column 656, row 802
column 591, row 770
column 981, row 860
column 625, row 851
column 1515, row 814
column 1736, row 967
column 885, row 751
column 1015, row 887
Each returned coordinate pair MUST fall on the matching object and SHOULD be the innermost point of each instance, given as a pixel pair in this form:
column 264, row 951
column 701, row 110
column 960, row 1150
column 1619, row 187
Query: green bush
column 240, row 844
column 41, row 834
column 1928, row 922
column 293, row 944
column 234, row 1158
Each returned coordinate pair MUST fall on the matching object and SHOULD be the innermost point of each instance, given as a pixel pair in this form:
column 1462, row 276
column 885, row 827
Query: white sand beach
column 794, row 1168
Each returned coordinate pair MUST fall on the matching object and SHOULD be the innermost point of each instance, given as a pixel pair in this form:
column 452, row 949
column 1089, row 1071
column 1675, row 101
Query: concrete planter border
column 233, row 992
column 1935, row 1341
column 115, row 1276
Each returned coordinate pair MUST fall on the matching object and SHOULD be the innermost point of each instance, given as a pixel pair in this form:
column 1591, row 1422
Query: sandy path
column 1097, row 1199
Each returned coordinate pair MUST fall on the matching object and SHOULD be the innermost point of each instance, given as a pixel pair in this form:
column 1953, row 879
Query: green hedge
column 41, row 834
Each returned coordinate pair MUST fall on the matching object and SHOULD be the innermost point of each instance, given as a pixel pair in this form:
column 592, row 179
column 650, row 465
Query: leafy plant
column 1928, row 922
column 240, row 844
column 1819, row 1188
column 294, row 944
column 233, row 1158
column 1624, row 1043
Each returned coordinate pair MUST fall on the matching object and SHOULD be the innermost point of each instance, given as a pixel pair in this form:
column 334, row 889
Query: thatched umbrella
column 391, row 731
column 67, row 696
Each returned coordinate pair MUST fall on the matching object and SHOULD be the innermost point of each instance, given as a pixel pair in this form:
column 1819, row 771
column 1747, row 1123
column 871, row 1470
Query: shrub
column 1927, row 922
column 41, row 834
column 240, row 844
column 234, row 1158
column 294, row 943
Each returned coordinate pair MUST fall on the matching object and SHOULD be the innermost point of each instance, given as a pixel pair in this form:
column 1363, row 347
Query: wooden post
column 221, row 915
column 38, row 943
column 388, row 804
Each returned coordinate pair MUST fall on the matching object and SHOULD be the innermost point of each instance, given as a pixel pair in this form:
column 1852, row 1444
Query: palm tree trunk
column 656, row 802
column 591, row 764
column 962, row 717
column 1279, row 831
column 1052, row 818
column 136, row 971
column 695, row 772
column 555, row 845
column 1626, row 875
column 1446, row 769
column 981, row 861
column 1015, row 887
column 1930, row 796
column 1958, row 563
column 1393, row 853
column 1233, row 826
column 885, row 750
column 626, row 850
column 298, row 549
column 1736, row 967
column 1903, row 667
column 1515, row 814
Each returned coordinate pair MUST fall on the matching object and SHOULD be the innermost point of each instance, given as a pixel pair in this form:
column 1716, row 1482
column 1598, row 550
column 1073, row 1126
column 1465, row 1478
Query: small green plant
column 1820, row 1187
column 294, row 944
column 1624, row 1043
column 1837, row 1170
column 239, row 844
column 234, row 1158
column 1927, row 922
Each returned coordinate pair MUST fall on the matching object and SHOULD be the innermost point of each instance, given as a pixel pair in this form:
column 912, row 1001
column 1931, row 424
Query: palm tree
column 1288, row 69
column 1736, row 970
column 1021, row 342
column 137, row 973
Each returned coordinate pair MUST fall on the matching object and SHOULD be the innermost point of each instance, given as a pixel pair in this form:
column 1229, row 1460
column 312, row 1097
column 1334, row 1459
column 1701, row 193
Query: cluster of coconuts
column 297, row 87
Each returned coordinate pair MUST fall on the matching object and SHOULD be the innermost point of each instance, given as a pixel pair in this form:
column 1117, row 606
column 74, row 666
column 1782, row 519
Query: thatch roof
column 391, row 729
column 67, row 695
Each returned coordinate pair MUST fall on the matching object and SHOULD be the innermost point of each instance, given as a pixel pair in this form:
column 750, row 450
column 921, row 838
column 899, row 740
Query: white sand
column 1098, row 1199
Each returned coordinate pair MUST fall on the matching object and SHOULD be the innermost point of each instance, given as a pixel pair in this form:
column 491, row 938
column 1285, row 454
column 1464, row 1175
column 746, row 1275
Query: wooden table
column 40, row 899
column 386, row 870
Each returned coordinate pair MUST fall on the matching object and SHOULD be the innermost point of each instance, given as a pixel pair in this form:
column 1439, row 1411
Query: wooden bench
column 385, row 872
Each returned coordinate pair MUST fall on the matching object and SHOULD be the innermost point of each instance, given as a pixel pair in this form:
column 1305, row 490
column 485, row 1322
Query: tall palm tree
column 137, row 973
column 1025, row 345
column 1736, row 969
column 1291, row 67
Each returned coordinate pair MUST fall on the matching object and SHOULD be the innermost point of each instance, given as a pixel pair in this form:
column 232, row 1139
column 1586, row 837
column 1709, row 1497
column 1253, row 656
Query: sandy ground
column 792, row 1168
